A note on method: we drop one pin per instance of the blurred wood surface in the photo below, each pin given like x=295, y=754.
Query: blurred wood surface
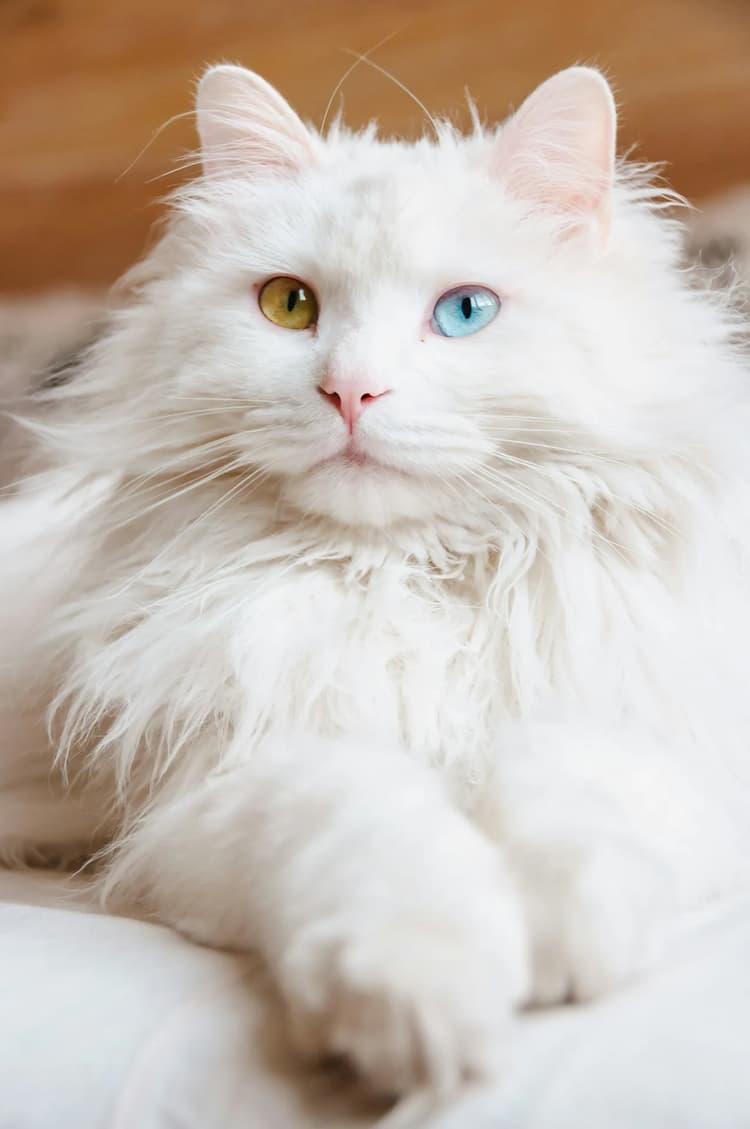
x=85, y=83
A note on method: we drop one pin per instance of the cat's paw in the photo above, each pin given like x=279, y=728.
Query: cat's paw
x=412, y=1002
x=596, y=919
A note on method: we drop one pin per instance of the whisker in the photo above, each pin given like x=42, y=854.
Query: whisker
x=208, y=398
x=562, y=514
x=198, y=413
x=475, y=472
x=663, y=522
x=352, y=68
x=543, y=506
x=572, y=452
x=190, y=456
x=157, y=133
x=256, y=474
x=25, y=480
x=221, y=471
x=397, y=82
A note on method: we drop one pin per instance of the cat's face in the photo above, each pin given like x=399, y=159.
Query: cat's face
x=393, y=330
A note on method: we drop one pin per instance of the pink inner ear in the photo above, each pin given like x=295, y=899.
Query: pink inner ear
x=245, y=125
x=558, y=151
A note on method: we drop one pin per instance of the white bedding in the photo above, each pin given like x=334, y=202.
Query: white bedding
x=108, y=1023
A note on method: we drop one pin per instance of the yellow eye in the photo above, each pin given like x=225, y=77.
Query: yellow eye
x=289, y=302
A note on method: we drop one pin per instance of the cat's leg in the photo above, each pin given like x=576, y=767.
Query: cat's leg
x=608, y=836
x=387, y=919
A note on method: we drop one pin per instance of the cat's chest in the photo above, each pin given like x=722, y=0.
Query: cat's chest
x=383, y=654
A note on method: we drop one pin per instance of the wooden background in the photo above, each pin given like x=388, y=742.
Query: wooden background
x=85, y=83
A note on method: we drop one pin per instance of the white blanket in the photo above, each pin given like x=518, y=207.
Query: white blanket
x=108, y=1023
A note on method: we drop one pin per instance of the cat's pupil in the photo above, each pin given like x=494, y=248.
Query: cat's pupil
x=291, y=301
x=466, y=307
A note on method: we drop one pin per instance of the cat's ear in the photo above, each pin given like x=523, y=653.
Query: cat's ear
x=245, y=125
x=558, y=150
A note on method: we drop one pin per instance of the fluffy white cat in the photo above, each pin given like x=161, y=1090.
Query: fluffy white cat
x=394, y=614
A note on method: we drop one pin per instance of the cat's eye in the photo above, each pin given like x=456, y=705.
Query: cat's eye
x=288, y=302
x=464, y=310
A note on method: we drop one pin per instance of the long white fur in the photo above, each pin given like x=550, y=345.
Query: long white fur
x=443, y=734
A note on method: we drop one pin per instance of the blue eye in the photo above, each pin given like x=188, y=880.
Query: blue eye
x=464, y=310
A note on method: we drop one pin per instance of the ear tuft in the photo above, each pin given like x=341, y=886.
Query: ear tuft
x=246, y=127
x=558, y=150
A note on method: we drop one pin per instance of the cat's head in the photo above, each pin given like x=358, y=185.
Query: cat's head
x=397, y=331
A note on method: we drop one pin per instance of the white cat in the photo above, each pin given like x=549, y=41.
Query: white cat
x=396, y=610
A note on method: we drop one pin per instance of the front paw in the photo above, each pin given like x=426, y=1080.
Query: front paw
x=596, y=917
x=412, y=1001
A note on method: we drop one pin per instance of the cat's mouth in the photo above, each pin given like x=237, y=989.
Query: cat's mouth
x=353, y=456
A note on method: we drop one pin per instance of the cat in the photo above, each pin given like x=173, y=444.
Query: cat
x=389, y=618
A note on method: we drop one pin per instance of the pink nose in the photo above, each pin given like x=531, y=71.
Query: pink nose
x=350, y=396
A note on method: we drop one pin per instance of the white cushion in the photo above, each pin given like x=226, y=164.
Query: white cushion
x=109, y=1022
